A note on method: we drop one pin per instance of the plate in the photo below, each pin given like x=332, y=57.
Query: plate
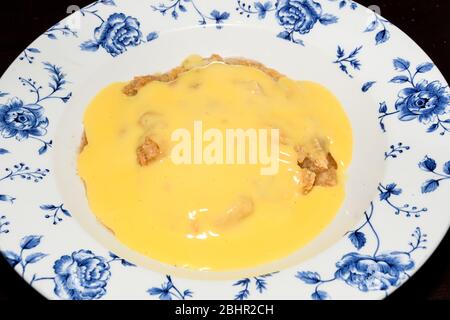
x=394, y=215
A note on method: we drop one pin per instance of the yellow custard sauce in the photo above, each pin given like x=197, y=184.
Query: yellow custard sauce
x=179, y=213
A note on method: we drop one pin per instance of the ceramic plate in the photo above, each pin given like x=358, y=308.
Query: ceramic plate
x=395, y=212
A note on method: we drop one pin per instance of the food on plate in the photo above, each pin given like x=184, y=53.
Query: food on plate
x=184, y=202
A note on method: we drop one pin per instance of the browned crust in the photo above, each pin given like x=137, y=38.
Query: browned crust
x=106, y=227
x=147, y=152
x=84, y=142
x=133, y=87
x=318, y=167
x=307, y=178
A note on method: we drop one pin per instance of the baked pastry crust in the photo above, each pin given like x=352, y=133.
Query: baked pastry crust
x=317, y=165
x=133, y=87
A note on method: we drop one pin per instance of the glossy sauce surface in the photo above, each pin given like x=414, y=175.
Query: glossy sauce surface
x=179, y=214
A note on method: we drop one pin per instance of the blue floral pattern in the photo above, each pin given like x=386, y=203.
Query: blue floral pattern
x=28, y=54
x=81, y=275
x=379, y=25
x=396, y=150
x=260, y=285
x=424, y=101
x=429, y=165
x=168, y=291
x=345, y=4
x=54, y=212
x=298, y=17
x=24, y=121
x=64, y=30
x=115, y=34
x=21, y=171
x=346, y=61
x=392, y=190
x=367, y=86
x=178, y=6
x=420, y=96
x=4, y=223
x=368, y=272
x=258, y=8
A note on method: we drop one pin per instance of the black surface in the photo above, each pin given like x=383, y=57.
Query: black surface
x=427, y=22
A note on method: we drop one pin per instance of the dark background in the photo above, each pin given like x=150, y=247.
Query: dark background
x=427, y=22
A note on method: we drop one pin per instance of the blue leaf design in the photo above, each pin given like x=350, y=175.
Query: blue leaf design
x=327, y=19
x=35, y=257
x=384, y=196
x=3, y=151
x=354, y=52
x=174, y=14
x=392, y=188
x=383, y=108
x=433, y=128
x=114, y=256
x=401, y=64
x=242, y=282
x=284, y=35
x=260, y=284
x=428, y=164
x=372, y=26
x=446, y=168
x=108, y=2
x=399, y=79
x=340, y=52
x=51, y=36
x=155, y=291
x=89, y=45
x=382, y=36
x=188, y=293
x=152, y=36
x=30, y=242
x=3, y=94
x=367, y=86
x=242, y=295
x=125, y=263
x=358, y=239
x=308, y=277
x=424, y=67
x=48, y=207
x=430, y=186
x=6, y=198
x=12, y=258
x=182, y=8
x=319, y=295
x=342, y=4
x=65, y=212
x=34, y=50
x=43, y=149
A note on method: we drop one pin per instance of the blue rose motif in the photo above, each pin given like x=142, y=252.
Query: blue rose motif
x=298, y=15
x=81, y=276
x=371, y=273
x=424, y=101
x=115, y=35
x=21, y=121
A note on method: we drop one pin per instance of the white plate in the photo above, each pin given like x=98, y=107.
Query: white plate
x=394, y=215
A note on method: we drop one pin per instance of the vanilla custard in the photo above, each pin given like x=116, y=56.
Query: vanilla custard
x=213, y=216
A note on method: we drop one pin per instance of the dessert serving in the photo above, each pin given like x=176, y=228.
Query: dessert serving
x=215, y=211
